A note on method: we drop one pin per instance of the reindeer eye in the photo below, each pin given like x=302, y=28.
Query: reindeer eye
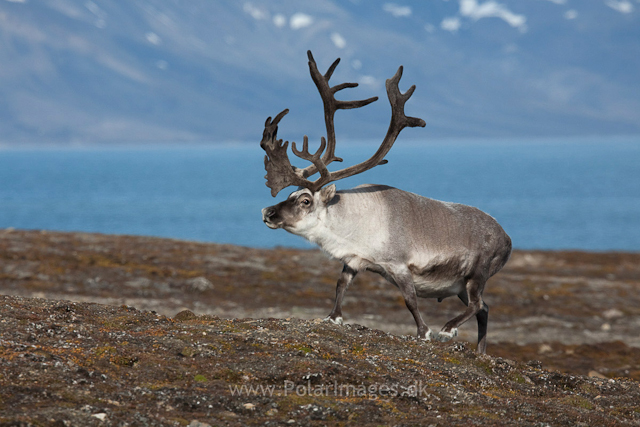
x=306, y=202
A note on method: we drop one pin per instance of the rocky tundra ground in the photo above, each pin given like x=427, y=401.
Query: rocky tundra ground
x=123, y=330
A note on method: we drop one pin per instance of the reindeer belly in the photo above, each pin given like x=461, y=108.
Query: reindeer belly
x=438, y=288
x=440, y=276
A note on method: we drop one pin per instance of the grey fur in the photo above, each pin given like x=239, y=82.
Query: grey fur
x=427, y=248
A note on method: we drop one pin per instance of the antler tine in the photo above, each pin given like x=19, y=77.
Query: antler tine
x=331, y=69
x=398, y=99
x=331, y=105
x=271, y=129
x=313, y=158
x=327, y=92
x=304, y=154
x=279, y=117
x=398, y=122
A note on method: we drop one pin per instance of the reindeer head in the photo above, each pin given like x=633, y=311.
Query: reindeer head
x=302, y=210
x=281, y=174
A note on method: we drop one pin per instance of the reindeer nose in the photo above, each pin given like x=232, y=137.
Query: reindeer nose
x=268, y=213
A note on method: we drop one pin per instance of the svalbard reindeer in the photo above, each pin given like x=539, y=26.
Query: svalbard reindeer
x=425, y=247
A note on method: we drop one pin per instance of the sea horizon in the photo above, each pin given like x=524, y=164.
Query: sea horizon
x=563, y=193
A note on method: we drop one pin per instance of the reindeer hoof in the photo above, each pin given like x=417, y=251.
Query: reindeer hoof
x=428, y=336
x=337, y=320
x=446, y=336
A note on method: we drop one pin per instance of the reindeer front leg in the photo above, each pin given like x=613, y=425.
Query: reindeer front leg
x=401, y=277
x=346, y=277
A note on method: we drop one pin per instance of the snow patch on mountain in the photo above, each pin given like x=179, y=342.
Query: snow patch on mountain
x=451, y=24
x=622, y=6
x=338, y=40
x=491, y=9
x=397, y=10
x=300, y=20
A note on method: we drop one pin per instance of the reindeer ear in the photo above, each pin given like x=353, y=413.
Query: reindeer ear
x=327, y=193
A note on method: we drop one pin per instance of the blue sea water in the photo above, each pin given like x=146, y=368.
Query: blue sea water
x=547, y=194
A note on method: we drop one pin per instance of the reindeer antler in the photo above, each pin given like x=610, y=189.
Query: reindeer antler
x=331, y=105
x=280, y=172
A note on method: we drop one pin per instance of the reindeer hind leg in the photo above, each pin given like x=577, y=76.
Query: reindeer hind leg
x=472, y=297
x=483, y=318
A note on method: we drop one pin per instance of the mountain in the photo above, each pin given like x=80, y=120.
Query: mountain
x=83, y=71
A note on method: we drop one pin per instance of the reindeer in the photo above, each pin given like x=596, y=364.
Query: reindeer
x=426, y=248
